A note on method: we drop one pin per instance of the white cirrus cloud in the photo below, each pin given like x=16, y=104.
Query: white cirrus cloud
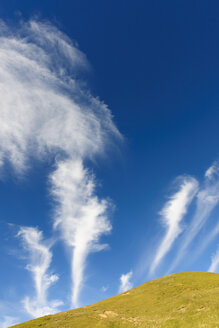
x=212, y=171
x=44, y=108
x=172, y=214
x=8, y=321
x=40, y=257
x=210, y=236
x=104, y=289
x=125, y=282
x=214, y=266
x=206, y=201
x=46, y=112
x=80, y=215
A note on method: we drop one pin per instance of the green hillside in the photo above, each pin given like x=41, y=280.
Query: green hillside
x=189, y=299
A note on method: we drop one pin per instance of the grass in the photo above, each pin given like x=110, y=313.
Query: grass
x=187, y=300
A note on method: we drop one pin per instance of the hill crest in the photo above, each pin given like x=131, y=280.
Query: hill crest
x=188, y=299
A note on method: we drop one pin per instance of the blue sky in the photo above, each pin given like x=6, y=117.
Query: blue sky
x=109, y=148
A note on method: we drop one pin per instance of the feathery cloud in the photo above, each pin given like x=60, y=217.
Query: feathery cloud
x=214, y=267
x=125, y=282
x=47, y=113
x=80, y=215
x=207, y=200
x=104, y=288
x=44, y=109
x=7, y=321
x=208, y=239
x=40, y=258
x=172, y=214
x=212, y=171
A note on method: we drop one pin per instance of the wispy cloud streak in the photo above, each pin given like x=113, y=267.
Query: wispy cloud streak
x=44, y=109
x=207, y=240
x=7, y=321
x=125, y=282
x=207, y=200
x=80, y=215
x=40, y=258
x=47, y=113
x=172, y=215
x=214, y=267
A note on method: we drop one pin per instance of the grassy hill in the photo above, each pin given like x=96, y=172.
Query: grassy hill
x=187, y=300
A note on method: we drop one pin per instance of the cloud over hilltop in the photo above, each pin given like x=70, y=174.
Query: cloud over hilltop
x=125, y=282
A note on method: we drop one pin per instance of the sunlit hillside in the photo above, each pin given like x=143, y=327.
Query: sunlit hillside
x=189, y=299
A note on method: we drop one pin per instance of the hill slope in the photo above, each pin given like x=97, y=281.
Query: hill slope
x=189, y=299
